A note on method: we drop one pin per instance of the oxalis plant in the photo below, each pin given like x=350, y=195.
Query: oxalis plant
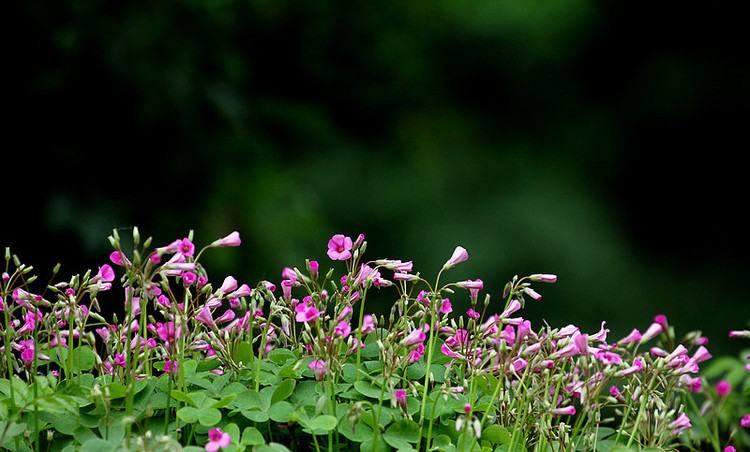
x=196, y=364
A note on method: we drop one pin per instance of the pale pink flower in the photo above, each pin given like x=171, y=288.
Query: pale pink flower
x=217, y=440
x=739, y=333
x=513, y=306
x=653, y=330
x=233, y=239
x=459, y=255
x=229, y=285
x=636, y=367
x=339, y=247
x=532, y=293
x=634, y=336
x=543, y=277
x=105, y=274
x=243, y=291
x=318, y=366
x=205, y=316
x=518, y=365
x=471, y=285
x=368, y=324
x=228, y=316
x=415, y=337
x=681, y=423
x=171, y=248
x=701, y=354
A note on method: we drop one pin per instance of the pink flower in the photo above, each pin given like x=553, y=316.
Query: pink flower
x=653, y=330
x=186, y=247
x=233, y=239
x=313, y=266
x=566, y=410
x=188, y=278
x=473, y=314
x=636, y=367
x=217, y=439
x=400, y=396
x=701, y=354
x=205, y=316
x=608, y=357
x=459, y=255
x=681, y=423
x=319, y=366
x=543, y=277
x=471, y=285
x=532, y=293
x=368, y=324
x=105, y=274
x=513, y=306
x=342, y=329
x=118, y=258
x=306, y=312
x=446, y=307
x=634, y=336
x=413, y=338
x=739, y=333
x=229, y=285
x=723, y=388
x=170, y=366
x=339, y=247
x=729, y=449
x=745, y=421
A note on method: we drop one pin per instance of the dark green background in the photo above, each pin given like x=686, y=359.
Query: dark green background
x=601, y=141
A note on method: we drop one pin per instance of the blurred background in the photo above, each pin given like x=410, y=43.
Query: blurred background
x=595, y=140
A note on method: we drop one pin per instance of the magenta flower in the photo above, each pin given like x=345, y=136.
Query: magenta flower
x=186, y=247
x=340, y=247
x=566, y=410
x=105, y=274
x=170, y=366
x=729, y=449
x=723, y=388
x=745, y=421
x=188, y=278
x=217, y=439
x=400, y=395
x=701, y=354
x=306, y=312
x=117, y=258
x=459, y=255
x=446, y=307
x=313, y=266
x=342, y=329
x=513, y=306
x=232, y=239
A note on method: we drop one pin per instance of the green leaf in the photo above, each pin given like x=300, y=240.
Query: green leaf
x=370, y=390
x=401, y=433
x=496, y=434
x=251, y=436
x=281, y=411
x=247, y=400
x=255, y=415
x=283, y=390
x=188, y=414
x=182, y=397
x=323, y=423
x=224, y=401
x=207, y=364
x=281, y=356
x=209, y=416
x=98, y=445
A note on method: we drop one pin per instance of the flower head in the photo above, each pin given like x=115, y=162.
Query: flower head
x=459, y=255
x=232, y=239
x=340, y=247
x=723, y=388
x=217, y=439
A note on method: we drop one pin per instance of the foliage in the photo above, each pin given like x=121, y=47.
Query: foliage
x=303, y=366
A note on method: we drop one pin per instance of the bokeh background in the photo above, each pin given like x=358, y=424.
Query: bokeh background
x=600, y=141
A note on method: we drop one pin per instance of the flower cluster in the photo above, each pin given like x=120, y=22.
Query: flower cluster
x=442, y=369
